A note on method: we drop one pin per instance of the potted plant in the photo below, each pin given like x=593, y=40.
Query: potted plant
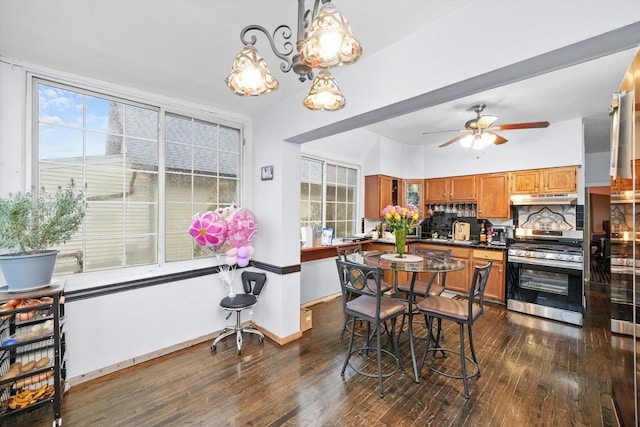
x=30, y=224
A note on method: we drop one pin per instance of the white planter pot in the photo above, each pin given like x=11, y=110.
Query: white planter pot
x=23, y=271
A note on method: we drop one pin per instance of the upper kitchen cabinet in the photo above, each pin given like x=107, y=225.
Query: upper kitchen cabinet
x=493, y=196
x=414, y=194
x=380, y=191
x=450, y=189
x=627, y=184
x=544, y=181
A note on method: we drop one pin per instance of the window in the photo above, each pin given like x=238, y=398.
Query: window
x=137, y=164
x=328, y=196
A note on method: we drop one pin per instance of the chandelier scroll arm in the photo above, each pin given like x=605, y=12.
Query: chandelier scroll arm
x=283, y=31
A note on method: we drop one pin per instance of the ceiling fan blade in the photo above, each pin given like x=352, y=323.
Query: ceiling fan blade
x=452, y=140
x=485, y=121
x=530, y=125
x=499, y=139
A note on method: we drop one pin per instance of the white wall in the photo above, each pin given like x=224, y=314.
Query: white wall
x=12, y=95
x=318, y=279
x=597, y=169
x=561, y=144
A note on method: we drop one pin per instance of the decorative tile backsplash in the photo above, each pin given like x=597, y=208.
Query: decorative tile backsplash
x=550, y=217
x=622, y=218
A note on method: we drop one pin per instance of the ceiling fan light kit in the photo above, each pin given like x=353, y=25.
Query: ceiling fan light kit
x=328, y=42
x=479, y=132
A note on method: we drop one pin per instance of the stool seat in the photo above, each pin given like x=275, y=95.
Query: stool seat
x=238, y=301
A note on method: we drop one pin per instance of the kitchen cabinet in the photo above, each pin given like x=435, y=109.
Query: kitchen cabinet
x=457, y=281
x=380, y=191
x=414, y=194
x=388, y=275
x=560, y=180
x=627, y=184
x=451, y=189
x=32, y=353
x=493, y=196
x=495, y=289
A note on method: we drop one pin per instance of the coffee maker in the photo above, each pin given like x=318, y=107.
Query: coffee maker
x=499, y=235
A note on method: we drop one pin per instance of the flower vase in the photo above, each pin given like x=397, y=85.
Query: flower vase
x=401, y=242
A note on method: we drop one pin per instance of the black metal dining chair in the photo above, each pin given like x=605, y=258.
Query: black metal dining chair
x=343, y=252
x=367, y=302
x=463, y=312
x=422, y=287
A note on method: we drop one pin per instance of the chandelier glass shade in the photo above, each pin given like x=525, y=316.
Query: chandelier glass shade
x=327, y=43
x=324, y=94
x=250, y=75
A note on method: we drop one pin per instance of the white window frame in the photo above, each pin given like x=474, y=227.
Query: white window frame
x=359, y=196
x=115, y=275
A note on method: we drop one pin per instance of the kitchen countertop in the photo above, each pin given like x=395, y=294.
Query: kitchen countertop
x=446, y=242
x=321, y=252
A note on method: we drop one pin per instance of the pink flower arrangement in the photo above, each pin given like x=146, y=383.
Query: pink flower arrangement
x=401, y=218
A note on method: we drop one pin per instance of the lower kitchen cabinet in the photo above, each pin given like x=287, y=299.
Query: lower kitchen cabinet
x=495, y=290
x=460, y=280
x=32, y=352
x=388, y=275
x=457, y=281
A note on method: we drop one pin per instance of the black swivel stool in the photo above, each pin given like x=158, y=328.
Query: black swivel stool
x=252, y=282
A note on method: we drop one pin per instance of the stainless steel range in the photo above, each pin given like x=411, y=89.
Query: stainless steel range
x=625, y=264
x=545, y=274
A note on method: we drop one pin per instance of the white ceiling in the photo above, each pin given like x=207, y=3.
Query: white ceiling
x=184, y=49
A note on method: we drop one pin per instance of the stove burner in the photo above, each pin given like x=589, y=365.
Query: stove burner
x=561, y=254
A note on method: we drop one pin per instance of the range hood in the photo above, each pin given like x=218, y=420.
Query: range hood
x=544, y=199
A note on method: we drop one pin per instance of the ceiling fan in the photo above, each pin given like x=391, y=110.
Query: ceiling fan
x=479, y=132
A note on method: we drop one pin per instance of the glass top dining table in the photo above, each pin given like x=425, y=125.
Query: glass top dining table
x=411, y=264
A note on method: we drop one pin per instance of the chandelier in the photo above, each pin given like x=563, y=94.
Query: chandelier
x=324, y=42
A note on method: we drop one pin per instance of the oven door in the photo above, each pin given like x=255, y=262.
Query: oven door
x=546, y=291
x=623, y=309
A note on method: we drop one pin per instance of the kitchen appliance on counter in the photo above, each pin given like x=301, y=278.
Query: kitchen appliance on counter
x=461, y=230
x=544, y=274
x=499, y=236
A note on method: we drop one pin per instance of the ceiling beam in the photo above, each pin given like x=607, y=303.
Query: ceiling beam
x=605, y=44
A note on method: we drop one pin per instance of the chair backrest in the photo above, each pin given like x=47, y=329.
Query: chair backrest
x=444, y=254
x=253, y=282
x=343, y=251
x=359, y=279
x=478, y=284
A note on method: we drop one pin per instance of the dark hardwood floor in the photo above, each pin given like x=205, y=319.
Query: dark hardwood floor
x=534, y=373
